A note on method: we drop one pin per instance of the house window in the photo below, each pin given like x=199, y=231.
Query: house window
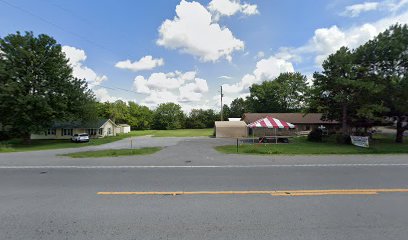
x=101, y=131
x=50, y=132
x=67, y=132
x=109, y=131
x=92, y=131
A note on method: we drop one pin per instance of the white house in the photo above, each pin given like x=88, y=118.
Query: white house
x=65, y=130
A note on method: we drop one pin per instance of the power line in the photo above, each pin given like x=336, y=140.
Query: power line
x=57, y=26
x=113, y=88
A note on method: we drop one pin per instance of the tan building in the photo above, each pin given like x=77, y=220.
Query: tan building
x=97, y=129
x=233, y=129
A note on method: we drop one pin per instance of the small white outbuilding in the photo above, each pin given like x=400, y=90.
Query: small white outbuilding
x=124, y=128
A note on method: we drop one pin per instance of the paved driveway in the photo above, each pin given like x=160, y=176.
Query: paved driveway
x=193, y=151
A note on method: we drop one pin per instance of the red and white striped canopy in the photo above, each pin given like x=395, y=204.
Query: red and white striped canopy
x=270, y=122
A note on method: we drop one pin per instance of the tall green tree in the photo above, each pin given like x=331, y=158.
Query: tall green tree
x=37, y=86
x=286, y=93
x=226, y=112
x=342, y=92
x=139, y=117
x=385, y=60
x=200, y=118
x=168, y=116
x=238, y=108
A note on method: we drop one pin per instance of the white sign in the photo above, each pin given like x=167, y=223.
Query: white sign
x=360, y=141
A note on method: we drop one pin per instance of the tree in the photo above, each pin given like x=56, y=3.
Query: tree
x=200, y=118
x=385, y=59
x=238, y=108
x=168, y=116
x=342, y=92
x=226, y=112
x=139, y=117
x=286, y=93
x=37, y=86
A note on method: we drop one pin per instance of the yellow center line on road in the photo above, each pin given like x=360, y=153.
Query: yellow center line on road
x=315, y=192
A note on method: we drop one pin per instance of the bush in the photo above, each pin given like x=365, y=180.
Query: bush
x=343, y=139
x=316, y=135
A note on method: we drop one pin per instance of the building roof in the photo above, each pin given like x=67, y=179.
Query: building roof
x=230, y=124
x=270, y=122
x=295, y=118
x=77, y=124
x=123, y=125
x=234, y=119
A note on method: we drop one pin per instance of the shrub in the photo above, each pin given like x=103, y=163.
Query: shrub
x=343, y=139
x=316, y=135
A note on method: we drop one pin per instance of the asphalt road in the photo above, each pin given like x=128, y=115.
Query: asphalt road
x=57, y=198
x=61, y=203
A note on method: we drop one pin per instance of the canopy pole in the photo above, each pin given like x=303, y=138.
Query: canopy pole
x=276, y=137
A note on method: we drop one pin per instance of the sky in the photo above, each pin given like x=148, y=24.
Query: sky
x=183, y=51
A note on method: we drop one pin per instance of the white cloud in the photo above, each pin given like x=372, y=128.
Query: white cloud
x=228, y=8
x=266, y=69
x=395, y=5
x=145, y=63
x=162, y=81
x=356, y=9
x=225, y=77
x=178, y=87
x=193, y=92
x=76, y=59
x=192, y=32
x=102, y=95
x=260, y=55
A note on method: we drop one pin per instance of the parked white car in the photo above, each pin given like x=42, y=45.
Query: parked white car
x=82, y=137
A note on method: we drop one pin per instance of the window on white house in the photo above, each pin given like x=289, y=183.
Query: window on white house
x=92, y=131
x=101, y=131
x=50, y=132
x=109, y=131
x=67, y=132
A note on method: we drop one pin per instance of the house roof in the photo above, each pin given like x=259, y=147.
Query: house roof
x=77, y=124
x=230, y=124
x=295, y=118
x=123, y=125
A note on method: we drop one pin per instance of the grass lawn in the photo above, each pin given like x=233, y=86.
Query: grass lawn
x=380, y=145
x=207, y=132
x=113, y=153
x=16, y=145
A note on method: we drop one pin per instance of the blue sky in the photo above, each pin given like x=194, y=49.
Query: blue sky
x=183, y=51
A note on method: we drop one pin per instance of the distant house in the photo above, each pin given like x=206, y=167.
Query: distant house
x=303, y=122
x=65, y=130
x=123, y=128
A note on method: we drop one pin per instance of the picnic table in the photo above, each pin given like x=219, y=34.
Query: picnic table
x=274, y=139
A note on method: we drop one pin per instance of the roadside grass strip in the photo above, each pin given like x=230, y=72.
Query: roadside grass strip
x=113, y=153
x=279, y=193
x=17, y=145
x=300, y=146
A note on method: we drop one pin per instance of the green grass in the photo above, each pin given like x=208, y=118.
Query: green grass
x=113, y=153
x=380, y=145
x=16, y=145
x=207, y=132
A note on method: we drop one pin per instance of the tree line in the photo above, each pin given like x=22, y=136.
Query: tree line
x=166, y=116
x=356, y=87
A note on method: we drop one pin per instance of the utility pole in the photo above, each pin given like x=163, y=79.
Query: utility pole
x=221, y=105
